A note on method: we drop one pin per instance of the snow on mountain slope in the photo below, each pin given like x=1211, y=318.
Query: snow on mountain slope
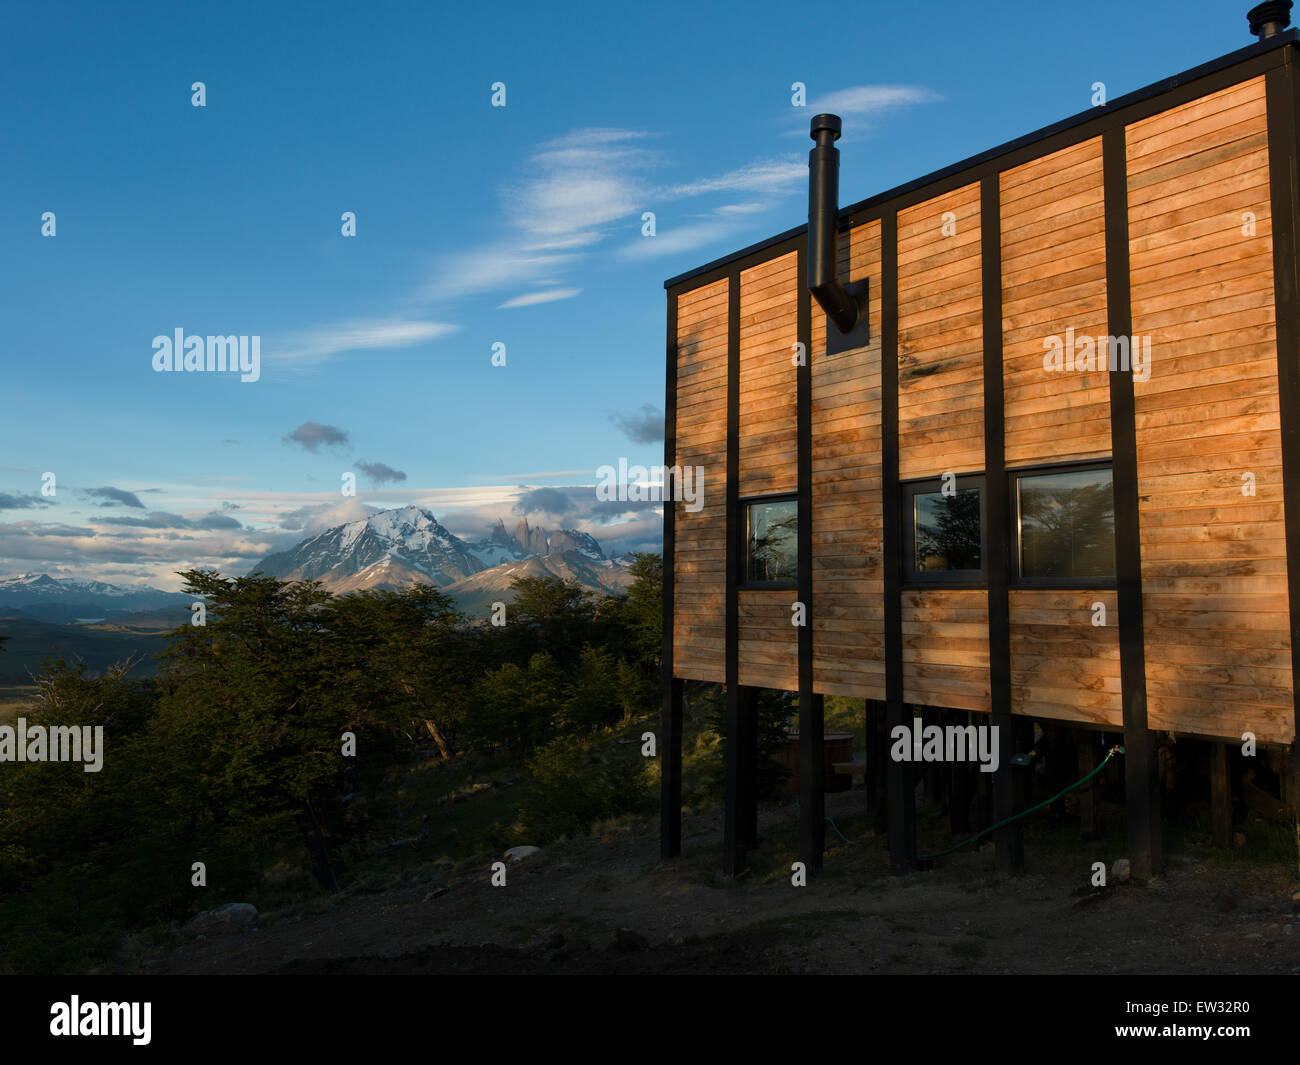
x=396, y=549
x=31, y=589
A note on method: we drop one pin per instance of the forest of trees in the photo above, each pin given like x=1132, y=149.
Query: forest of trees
x=234, y=754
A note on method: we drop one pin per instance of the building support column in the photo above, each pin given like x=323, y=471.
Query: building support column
x=674, y=690
x=1141, y=789
x=901, y=783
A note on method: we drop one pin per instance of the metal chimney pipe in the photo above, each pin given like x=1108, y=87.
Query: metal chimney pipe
x=823, y=226
x=1269, y=19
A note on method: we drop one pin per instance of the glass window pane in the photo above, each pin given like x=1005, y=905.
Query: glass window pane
x=773, y=541
x=1067, y=524
x=946, y=530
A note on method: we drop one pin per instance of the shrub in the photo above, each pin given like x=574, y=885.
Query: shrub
x=576, y=781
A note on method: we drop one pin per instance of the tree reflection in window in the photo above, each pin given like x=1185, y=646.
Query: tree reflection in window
x=772, y=553
x=1067, y=524
x=947, y=530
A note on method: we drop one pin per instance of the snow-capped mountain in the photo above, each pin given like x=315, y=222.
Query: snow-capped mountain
x=395, y=549
x=69, y=598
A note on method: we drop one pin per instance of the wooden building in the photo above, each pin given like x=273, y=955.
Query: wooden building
x=1072, y=393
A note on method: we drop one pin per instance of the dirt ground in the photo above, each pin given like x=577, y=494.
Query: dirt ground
x=562, y=910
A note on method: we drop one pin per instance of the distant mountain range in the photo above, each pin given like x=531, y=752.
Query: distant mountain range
x=396, y=549
x=391, y=550
x=64, y=599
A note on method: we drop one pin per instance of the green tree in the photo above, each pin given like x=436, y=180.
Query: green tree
x=575, y=781
x=552, y=616
x=405, y=656
x=515, y=708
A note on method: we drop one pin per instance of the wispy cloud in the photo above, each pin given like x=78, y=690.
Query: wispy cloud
x=771, y=177
x=592, y=185
x=860, y=104
x=546, y=295
x=862, y=100
x=361, y=335
x=677, y=239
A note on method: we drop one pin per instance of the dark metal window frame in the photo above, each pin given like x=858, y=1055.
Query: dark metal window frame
x=1013, y=504
x=952, y=578
x=744, y=503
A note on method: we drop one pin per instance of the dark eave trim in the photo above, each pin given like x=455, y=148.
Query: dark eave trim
x=757, y=253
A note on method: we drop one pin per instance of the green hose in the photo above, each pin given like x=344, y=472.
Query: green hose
x=1007, y=820
x=1025, y=813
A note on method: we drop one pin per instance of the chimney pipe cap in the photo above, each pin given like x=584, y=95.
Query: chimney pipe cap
x=1269, y=19
x=830, y=122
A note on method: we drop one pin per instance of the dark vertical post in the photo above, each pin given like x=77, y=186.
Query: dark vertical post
x=1141, y=794
x=734, y=830
x=901, y=794
x=1085, y=748
x=1282, y=95
x=874, y=766
x=959, y=802
x=1010, y=846
x=812, y=798
x=749, y=763
x=1220, y=795
x=670, y=740
x=670, y=770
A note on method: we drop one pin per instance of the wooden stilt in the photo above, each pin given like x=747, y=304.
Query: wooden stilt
x=902, y=794
x=812, y=762
x=983, y=801
x=1294, y=787
x=670, y=770
x=1085, y=744
x=1008, y=799
x=733, y=832
x=1220, y=795
x=1142, y=804
x=878, y=767
x=749, y=764
x=959, y=798
x=870, y=779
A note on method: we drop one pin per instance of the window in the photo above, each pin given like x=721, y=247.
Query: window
x=944, y=530
x=1065, y=526
x=772, y=542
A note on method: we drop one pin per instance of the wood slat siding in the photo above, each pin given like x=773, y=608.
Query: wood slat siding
x=941, y=429
x=768, y=644
x=1214, y=599
x=1053, y=279
x=1214, y=567
x=940, y=338
x=1063, y=666
x=848, y=575
x=768, y=453
x=946, y=647
x=699, y=563
x=768, y=331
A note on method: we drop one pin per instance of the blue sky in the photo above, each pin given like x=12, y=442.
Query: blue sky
x=475, y=225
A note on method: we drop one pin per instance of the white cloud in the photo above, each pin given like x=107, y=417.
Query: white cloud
x=672, y=240
x=772, y=177
x=362, y=335
x=530, y=299
x=492, y=268
x=871, y=99
x=585, y=187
